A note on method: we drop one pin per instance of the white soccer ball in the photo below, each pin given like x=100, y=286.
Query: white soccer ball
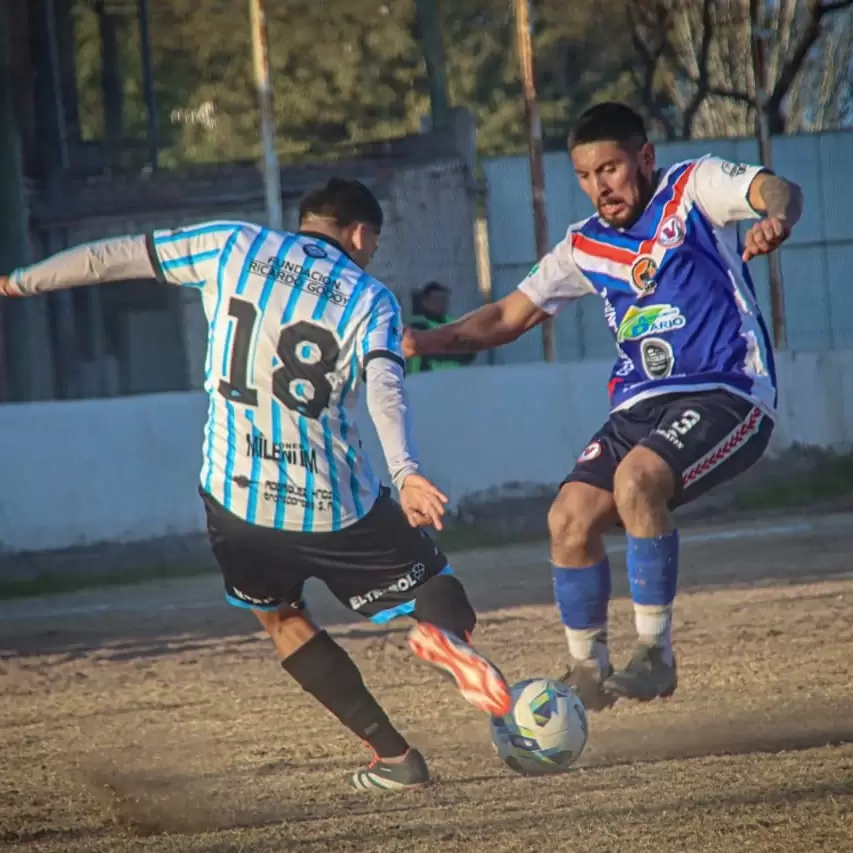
x=546, y=730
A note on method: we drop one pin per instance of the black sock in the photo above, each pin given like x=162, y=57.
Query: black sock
x=443, y=602
x=323, y=669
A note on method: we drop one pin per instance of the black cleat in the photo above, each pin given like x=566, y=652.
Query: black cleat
x=392, y=774
x=588, y=680
x=647, y=676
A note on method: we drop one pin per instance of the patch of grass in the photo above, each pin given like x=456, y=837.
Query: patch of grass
x=456, y=538
x=469, y=537
x=55, y=583
x=830, y=479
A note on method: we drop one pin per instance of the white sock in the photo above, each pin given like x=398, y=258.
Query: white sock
x=589, y=644
x=654, y=627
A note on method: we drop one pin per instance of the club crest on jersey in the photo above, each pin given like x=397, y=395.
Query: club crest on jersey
x=314, y=251
x=591, y=451
x=671, y=232
x=653, y=320
x=643, y=275
x=657, y=358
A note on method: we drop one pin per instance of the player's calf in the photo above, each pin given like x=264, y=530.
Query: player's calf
x=441, y=638
x=323, y=669
x=582, y=585
x=644, y=486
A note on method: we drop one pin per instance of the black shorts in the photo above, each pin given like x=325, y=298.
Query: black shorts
x=373, y=567
x=706, y=439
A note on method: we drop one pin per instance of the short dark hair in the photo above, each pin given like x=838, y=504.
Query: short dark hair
x=609, y=122
x=345, y=202
x=434, y=287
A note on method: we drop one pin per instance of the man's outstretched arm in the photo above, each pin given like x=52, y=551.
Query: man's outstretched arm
x=184, y=257
x=118, y=259
x=550, y=286
x=485, y=328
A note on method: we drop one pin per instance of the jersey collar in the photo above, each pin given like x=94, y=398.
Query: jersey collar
x=330, y=241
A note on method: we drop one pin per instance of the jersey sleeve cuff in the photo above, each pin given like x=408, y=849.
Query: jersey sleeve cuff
x=156, y=265
x=382, y=353
x=399, y=477
x=16, y=283
x=549, y=306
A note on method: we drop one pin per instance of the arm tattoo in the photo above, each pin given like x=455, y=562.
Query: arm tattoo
x=781, y=198
x=460, y=343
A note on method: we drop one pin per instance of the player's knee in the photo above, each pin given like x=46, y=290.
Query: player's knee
x=642, y=480
x=443, y=602
x=578, y=514
x=288, y=627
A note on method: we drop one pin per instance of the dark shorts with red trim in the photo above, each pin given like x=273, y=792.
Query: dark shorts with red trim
x=706, y=438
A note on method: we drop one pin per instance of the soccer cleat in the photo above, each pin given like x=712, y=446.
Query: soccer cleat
x=587, y=679
x=647, y=676
x=392, y=774
x=481, y=683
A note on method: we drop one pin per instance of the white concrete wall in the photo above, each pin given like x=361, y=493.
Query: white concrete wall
x=126, y=469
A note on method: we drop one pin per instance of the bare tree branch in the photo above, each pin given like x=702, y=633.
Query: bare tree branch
x=650, y=59
x=693, y=64
x=740, y=95
x=791, y=68
x=703, y=82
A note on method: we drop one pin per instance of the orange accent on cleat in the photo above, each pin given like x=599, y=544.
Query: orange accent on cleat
x=481, y=683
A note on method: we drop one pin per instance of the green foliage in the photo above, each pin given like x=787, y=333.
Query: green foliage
x=345, y=71
x=828, y=478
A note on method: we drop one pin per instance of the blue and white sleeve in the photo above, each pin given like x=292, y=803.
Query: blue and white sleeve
x=382, y=335
x=190, y=256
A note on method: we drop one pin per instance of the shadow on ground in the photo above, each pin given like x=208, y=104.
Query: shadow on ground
x=146, y=803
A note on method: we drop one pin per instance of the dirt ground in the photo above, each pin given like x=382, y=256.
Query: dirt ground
x=155, y=718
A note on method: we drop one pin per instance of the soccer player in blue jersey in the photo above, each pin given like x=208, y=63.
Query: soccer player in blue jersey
x=296, y=326
x=693, y=389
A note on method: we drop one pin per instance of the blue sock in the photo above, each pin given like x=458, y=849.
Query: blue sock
x=582, y=597
x=653, y=577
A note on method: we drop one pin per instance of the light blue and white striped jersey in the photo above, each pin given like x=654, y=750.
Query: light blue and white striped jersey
x=293, y=321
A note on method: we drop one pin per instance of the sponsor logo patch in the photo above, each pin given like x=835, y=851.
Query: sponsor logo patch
x=653, y=320
x=656, y=355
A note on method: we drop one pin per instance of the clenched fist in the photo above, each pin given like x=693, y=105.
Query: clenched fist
x=8, y=287
x=765, y=236
x=409, y=343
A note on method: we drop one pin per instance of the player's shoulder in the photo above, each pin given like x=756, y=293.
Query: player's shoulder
x=678, y=173
x=374, y=294
x=693, y=166
x=589, y=226
x=204, y=228
x=580, y=226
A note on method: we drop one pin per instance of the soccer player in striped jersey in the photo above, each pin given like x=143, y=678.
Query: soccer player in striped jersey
x=693, y=389
x=296, y=326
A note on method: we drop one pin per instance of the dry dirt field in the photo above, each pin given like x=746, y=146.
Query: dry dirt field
x=155, y=718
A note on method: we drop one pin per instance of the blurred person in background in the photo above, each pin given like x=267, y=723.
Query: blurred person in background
x=431, y=308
